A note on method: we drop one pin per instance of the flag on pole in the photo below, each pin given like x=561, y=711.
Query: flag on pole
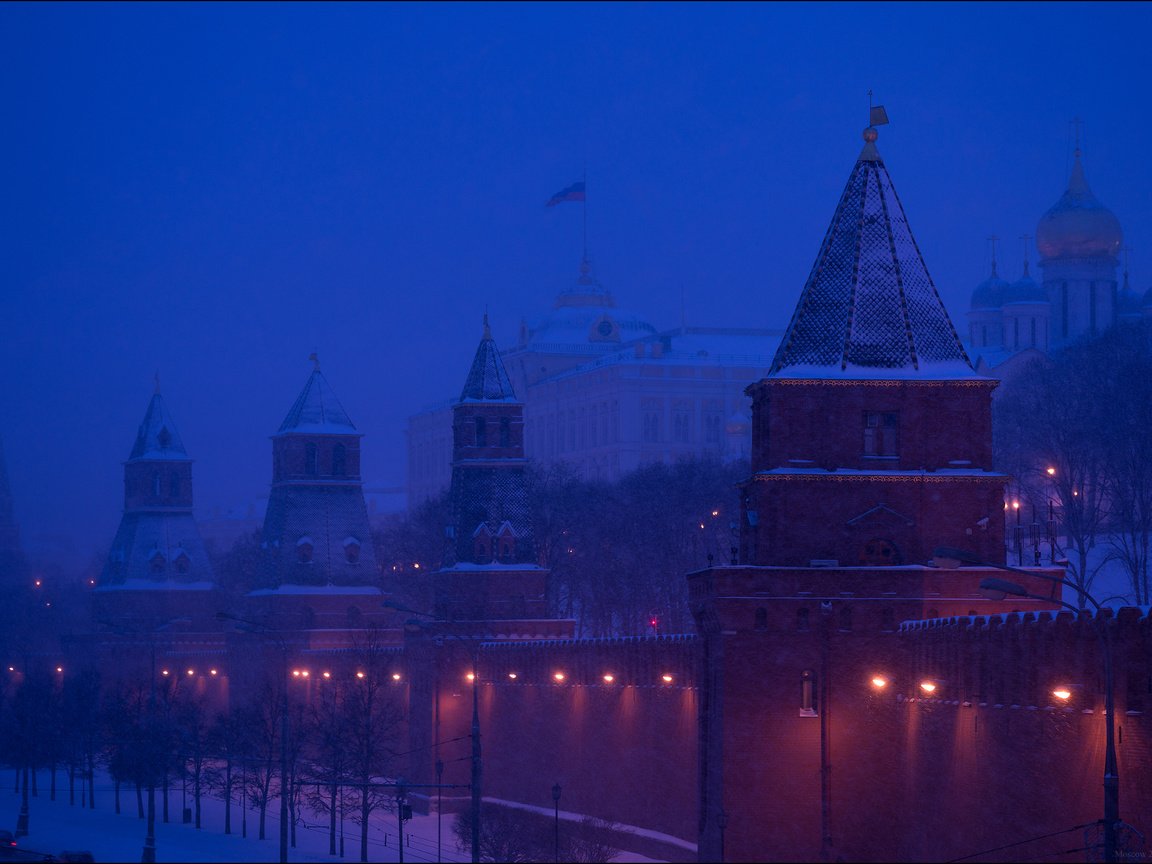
x=575, y=192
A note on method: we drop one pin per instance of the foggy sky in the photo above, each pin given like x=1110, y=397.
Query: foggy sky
x=212, y=192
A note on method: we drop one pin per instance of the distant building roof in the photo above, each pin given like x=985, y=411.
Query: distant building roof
x=869, y=308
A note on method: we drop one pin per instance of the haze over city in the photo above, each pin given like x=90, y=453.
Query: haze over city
x=210, y=193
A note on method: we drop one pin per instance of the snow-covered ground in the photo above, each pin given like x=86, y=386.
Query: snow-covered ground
x=54, y=826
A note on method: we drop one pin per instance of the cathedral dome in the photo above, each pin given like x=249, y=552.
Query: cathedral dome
x=1078, y=225
x=990, y=294
x=587, y=312
x=1025, y=290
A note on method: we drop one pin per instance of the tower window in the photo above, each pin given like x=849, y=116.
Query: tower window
x=808, y=694
x=304, y=550
x=339, y=460
x=310, y=467
x=880, y=433
x=156, y=562
x=351, y=550
x=481, y=432
x=505, y=432
x=174, y=485
x=156, y=484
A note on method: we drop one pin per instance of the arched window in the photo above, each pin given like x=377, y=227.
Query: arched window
x=182, y=563
x=761, y=618
x=352, y=550
x=156, y=562
x=339, y=459
x=304, y=550
x=310, y=467
x=481, y=432
x=505, y=432
x=808, y=693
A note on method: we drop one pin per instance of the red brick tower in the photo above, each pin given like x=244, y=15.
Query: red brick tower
x=871, y=445
x=490, y=570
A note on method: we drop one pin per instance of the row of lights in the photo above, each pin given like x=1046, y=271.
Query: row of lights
x=189, y=672
x=560, y=677
x=929, y=687
x=13, y=669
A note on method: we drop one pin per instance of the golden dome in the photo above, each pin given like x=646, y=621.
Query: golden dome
x=1078, y=225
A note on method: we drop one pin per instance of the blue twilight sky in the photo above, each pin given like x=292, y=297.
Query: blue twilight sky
x=216, y=190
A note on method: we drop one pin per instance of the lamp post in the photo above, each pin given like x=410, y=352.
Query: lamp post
x=998, y=589
x=556, y=803
x=254, y=627
x=473, y=644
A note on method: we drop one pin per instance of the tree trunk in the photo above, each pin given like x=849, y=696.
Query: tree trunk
x=71, y=784
x=116, y=786
x=165, y=795
x=196, y=794
x=52, y=783
x=332, y=820
x=139, y=800
x=364, y=813
x=228, y=796
x=92, y=780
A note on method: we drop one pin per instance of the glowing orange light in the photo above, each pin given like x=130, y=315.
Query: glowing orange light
x=715, y=512
x=191, y=672
x=608, y=679
x=37, y=583
x=11, y=668
x=1062, y=693
x=211, y=671
x=91, y=581
x=701, y=526
x=359, y=674
x=512, y=675
x=304, y=674
x=415, y=565
x=1015, y=505
x=879, y=682
x=927, y=686
x=327, y=674
x=558, y=676
x=1051, y=472
x=395, y=676
x=163, y=671
x=667, y=679
x=471, y=676
x=59, y=668
x=295, y=673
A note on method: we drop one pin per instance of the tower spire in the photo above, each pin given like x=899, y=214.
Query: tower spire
x=1026, y=238
x=992, y=241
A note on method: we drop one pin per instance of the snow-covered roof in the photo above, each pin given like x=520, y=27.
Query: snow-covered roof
x=317, y=410
x=157, y=437
x=487, y=380
x=334, y=590
x=157, y=585
x=869, y=302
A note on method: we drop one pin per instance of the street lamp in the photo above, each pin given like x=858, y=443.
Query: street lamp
x=556, y=802
x=998, y=589
x=473, y=644
x=254, y=627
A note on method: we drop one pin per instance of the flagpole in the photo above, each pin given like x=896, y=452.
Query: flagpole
x=585, y=212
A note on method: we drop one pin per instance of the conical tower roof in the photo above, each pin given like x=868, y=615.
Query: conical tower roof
x=317, y=410
x=487, y=380
x=869, y=308
x=157, y=437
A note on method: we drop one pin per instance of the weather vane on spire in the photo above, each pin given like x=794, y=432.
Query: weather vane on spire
x=1076, y=124
x=487, y=329
x=992, y=240
x=156, y=382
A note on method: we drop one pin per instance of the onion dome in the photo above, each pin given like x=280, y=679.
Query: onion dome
x=1025, y=290
x=991, y=293
x=1078, y=225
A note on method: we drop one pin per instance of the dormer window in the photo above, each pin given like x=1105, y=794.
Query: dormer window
x=181, y=563
x=156, y=562
x=304, y=550
x=351, y=550
x=164, y=438
x=482, y=544
x=880, y=433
